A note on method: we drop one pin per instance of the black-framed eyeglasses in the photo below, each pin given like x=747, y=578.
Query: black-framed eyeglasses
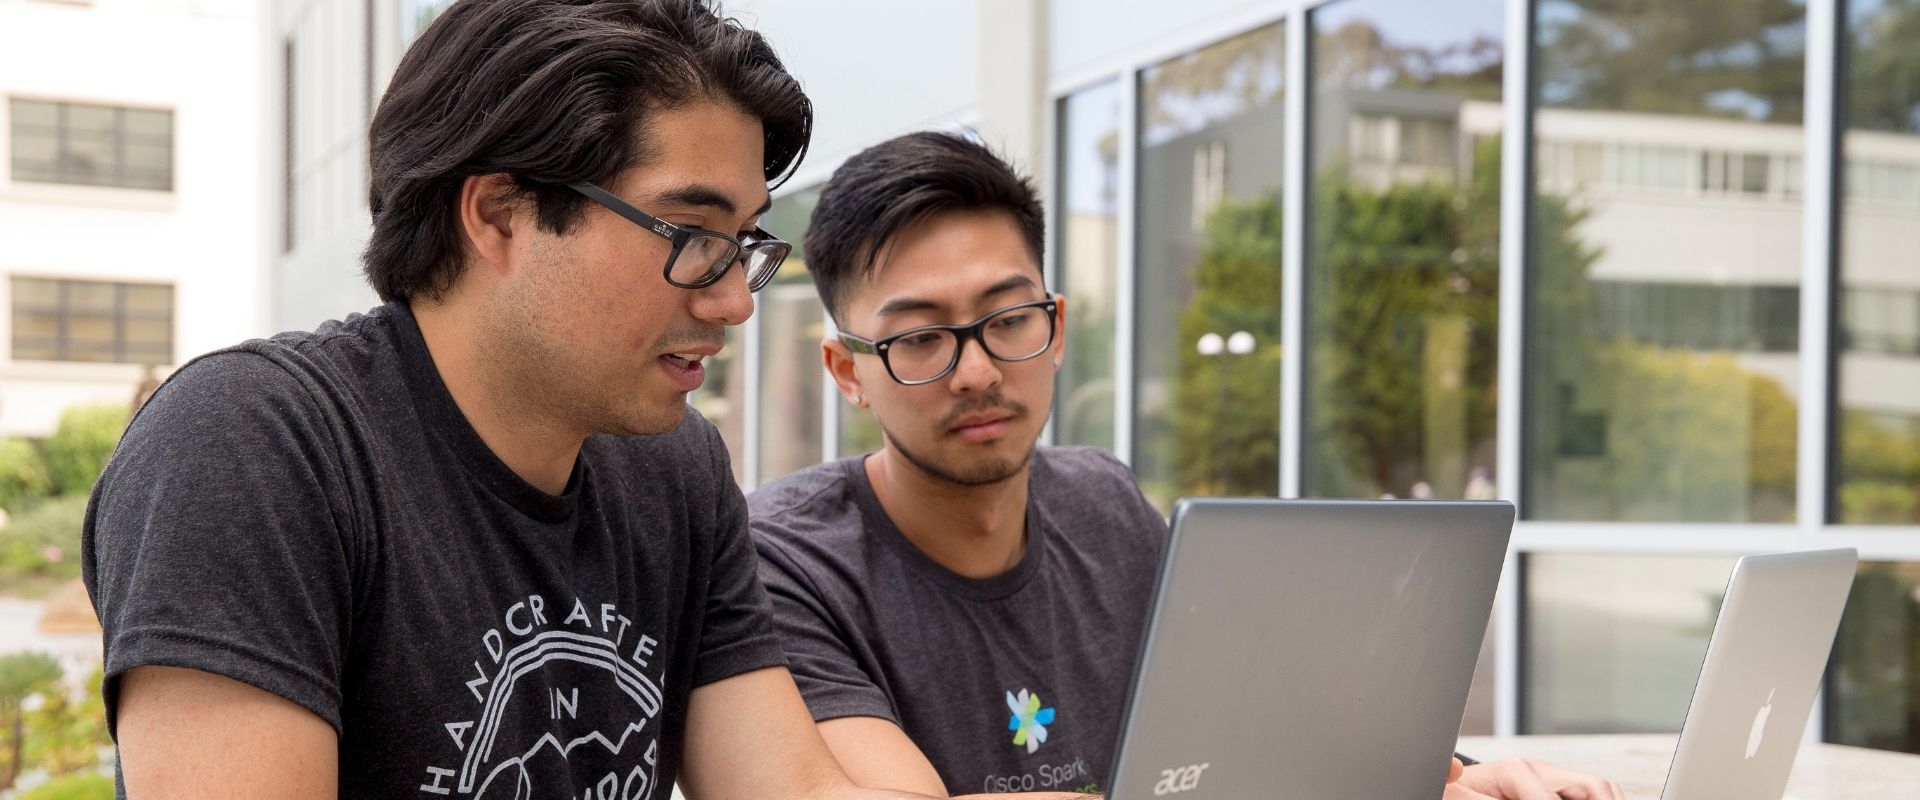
x=699, y=258
x=927, y=353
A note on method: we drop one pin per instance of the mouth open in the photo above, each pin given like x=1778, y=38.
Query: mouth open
x=684, y=369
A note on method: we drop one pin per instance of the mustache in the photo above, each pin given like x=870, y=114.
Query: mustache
x=692, y=336
x=988, y=402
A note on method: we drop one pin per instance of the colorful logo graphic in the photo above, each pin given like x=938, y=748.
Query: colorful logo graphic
x=1029, y=722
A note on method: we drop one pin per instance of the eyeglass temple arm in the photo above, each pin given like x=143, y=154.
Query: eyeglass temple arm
x=858, y=345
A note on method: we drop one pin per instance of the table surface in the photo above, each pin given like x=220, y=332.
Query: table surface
x=1639, y=764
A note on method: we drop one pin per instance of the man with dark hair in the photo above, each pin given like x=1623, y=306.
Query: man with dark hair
x=465, y=544
x=961, y=609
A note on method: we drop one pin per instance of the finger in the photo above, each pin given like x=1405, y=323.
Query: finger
x=1457, y=791
x=1522, y=784
x=1454, y=769
x=1575, y=785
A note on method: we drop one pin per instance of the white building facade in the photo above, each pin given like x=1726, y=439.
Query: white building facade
x=132, y=215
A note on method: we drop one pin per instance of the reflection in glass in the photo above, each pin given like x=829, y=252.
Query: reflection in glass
x=1663, y=315
x=1403, y=272
x=1873, y=684
x=792, y=323
x=859, y=431
x=1404, y=269
x=1613, y=644
x=722, y=399
x=1878, y=458
x=1088, y=262
x=1209, y=262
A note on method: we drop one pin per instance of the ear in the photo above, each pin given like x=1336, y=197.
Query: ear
x=487, y=219
x=839, y=362
x=1060, y=330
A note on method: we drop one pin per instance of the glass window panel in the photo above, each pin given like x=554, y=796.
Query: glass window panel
x=1403, y=268
x=35, y=293
x=1662, y=376
x=1878, y=465
x=792, y=323
x=92, y=328
x=150, y=298
x=1088, y=262
x=1210, y=425
x=68, y=320
x=722, y=398
x=91, y=121
x=37, y=327
x=1873, y=683
x=153, y=127
x=1613, y=644
x=92, y=145
x=35, y=158
x=1403, y=271
x=34, y=115
x=89, y=296
x=150, y=333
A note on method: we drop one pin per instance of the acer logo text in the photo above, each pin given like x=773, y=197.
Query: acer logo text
x=1179, y=779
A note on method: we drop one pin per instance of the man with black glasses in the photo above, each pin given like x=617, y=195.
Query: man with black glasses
x=961, y=609
x=465, y=544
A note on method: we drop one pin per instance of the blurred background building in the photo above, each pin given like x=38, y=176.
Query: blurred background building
x=1651, y=272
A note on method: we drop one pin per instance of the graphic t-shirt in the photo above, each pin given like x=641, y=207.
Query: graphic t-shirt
x=1009, y=683
x=313, y=515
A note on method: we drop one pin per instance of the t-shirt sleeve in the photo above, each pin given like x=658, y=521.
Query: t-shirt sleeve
x=736, y=635
x=819, y=651
x=215, y=538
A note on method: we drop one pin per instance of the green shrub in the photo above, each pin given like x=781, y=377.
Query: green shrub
x=79, y=448
x=42, y=546
x=23, y=476
x=71, y=787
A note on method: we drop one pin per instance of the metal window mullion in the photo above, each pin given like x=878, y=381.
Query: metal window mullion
x=1127, y=212
x=1820, y=249
x=1293, y=254
x=1515, y=172
x=1053, y=206
x=829, y=401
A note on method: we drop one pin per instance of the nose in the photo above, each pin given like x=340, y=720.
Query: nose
x=977, y=371
x=727, y=301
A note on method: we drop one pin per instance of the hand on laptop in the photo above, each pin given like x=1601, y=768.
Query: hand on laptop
x=1520, y=779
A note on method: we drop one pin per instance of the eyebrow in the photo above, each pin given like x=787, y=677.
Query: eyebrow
x=902, y=305
x=700, y=194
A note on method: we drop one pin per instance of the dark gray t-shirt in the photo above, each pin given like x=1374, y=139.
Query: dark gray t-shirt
x=1010, y=683
x=314, y=516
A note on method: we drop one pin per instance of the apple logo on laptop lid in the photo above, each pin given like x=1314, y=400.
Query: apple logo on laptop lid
x=1759, y=726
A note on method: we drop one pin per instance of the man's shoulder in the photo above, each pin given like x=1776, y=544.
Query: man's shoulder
x=812, y=514
x=806, y=493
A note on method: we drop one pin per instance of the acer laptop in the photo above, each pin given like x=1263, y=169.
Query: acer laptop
x=1762, y=669
x=1310, y=649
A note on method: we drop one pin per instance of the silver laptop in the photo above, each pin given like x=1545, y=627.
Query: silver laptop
x=1323, y=647
x=1763, y=666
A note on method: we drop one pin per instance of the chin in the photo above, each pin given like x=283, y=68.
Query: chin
x=651, y=419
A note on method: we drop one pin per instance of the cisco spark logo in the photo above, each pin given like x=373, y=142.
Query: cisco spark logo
x=1029, y=722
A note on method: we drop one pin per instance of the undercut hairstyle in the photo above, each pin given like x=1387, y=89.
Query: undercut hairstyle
x=893, y=185
x=550, y=92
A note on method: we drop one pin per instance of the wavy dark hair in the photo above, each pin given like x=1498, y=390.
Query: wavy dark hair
x=890, y=186
x=549, y=92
